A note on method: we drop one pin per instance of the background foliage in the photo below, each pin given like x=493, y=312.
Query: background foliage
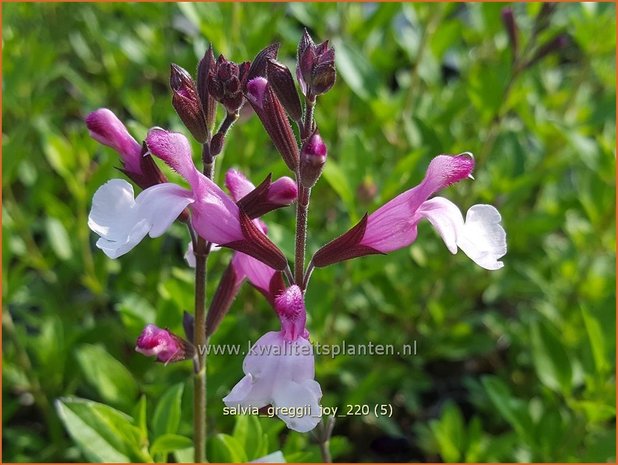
x=515, y=365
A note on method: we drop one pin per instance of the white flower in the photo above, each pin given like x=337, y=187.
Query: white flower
x=280, y=372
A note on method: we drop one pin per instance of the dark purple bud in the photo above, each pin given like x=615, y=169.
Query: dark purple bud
x=274, y=119
x=224, y=84
x=312, y=159
x=345, y=247
x=227, y=291
x=187, y=103
x=544, y=16
x=315, y=67
x=187, y=324
x=324, y=76
x=280, y=79
x=216, y=144
x=205, y=67
x=258, y=66
x=554, y=45
x=163, y=344
x=508, y=18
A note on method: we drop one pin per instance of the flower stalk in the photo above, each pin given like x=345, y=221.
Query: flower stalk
x=302, y=207
x=200, y=341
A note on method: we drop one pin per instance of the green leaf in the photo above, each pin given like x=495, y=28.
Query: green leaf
x=140, y=414
x=170, y=442
x=166, y=418
x=355, y=70
x=58, y=152
x=551, y=359
x=512, y=409
x=102, y=433
x=58, y=238
x=596, y=339
x=111, y=379
x=248, y=432
x=449, y=432
x=225, y=448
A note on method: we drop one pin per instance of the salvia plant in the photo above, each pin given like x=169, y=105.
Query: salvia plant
x=279, y=368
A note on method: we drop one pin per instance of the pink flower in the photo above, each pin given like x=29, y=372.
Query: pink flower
x=122, y=221
x=279, y=368
x=242, y=266
x=394, y=225
x=163, y=344
x=107, y=129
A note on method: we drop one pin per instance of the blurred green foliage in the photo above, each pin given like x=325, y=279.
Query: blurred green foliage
x=514, y=365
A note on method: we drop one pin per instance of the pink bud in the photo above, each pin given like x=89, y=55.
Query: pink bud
x=312, y=160
x=256, y=89
x=107, y=129
x=283, y=191
x=163, y=344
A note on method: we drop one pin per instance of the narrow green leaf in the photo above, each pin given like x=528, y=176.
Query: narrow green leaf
x=170, y=442
x=58, y=238
x=225, y=448
x=511, y=408
x=596, y=340
x=140, y=414
x=248, y=432
x=102, y=433
x=166, y=418
x=449, y=432
x=111, y=379
x=551, y=359
x=356, y=70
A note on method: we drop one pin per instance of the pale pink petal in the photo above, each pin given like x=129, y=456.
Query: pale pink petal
x=216, y=217
x=258, y=274
x=238, y=184
x=122, y=222
x=249, y=394
x=481, y=236
x=261, y=369
x=105, y=127
x=301, y=398
x=446, y=218
x=391, y=227
x=190, y=255
x=280, y=373
x=175, y=150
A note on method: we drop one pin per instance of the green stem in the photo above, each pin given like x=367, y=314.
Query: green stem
x=325, y=451
x=302, y=206
x=200, y=341
x=201, y=250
